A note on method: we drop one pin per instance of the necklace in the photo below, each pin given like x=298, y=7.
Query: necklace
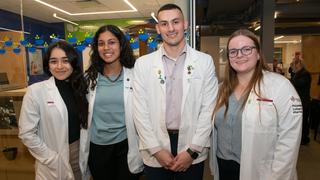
x=116, y=79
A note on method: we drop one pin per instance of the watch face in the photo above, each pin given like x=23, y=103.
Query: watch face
x=193, y=154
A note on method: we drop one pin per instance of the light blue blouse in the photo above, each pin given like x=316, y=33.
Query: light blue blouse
x=229, y=130
x=108, y=120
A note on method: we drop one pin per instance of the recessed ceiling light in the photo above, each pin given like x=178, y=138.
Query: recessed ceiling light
x=66, y=20
x=133, y=9
x=284, y=42
x=257, y=28
x=279, y=37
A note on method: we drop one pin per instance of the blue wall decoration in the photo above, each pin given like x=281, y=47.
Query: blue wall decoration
x=8, y=43
x=127, y=36
x=88, y=40
x=24, y=42
x=71, y=39
x=16, y=50
x=143, y=36
x=38, y=41
x=134, y=44
x=80, y=47
x=2, y=51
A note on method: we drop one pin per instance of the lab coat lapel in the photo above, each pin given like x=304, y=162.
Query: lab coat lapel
x=158, y=71
x=56, y=98
x=127, y=79
x=188, y=71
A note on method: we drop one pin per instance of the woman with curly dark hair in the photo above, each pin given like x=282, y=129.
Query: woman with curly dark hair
x=110, y=147
x=52, y=113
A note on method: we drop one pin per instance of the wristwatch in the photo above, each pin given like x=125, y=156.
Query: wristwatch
x=192, y=153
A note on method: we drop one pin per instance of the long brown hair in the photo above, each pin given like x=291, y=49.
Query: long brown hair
x=230, y=81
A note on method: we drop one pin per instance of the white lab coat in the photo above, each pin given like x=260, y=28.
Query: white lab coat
x=198, y=98
x=43, y=128
x=271, y=133
x=134, y=159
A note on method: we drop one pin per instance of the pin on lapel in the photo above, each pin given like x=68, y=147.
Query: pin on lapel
x=190, y=68
x=161, y=77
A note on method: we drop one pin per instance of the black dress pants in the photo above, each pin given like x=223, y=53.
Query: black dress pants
x=109, y=162
x=194, y=172
x=228, y=169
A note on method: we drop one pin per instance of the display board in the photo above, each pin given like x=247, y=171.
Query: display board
x=13, y=66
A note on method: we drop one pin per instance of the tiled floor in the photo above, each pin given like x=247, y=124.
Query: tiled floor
x=309, y=160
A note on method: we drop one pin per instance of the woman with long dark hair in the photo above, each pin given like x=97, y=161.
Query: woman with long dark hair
x=110, y=147
x=52, y=114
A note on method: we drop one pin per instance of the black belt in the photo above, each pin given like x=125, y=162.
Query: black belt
x=173, y=131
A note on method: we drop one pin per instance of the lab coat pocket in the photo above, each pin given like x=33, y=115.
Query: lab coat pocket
x=49, y=171
x=268, y=115
x=53, y=165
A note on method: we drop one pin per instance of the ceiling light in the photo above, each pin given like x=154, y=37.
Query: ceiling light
x=257, y=28
x=133, y=9
x=279, y=37
x=137, y=22
x=285, y=42
x=275, y=15
x=154, y=17
x=66, y=20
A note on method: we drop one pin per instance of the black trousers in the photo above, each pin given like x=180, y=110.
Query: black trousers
x=194, y=172
x=228, y=169
x=110, y=162
x=305, y=123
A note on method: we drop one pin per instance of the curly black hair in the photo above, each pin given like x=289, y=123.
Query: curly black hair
x=96, y=62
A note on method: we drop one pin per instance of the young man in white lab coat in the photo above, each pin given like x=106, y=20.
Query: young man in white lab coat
x=174, y=93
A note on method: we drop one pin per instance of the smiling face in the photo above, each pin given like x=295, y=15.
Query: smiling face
x=109, y=48
x=59, y=65
x=243, y=63
x=171, y=26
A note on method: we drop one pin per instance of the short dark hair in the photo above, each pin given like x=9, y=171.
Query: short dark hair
x=97, y=63
x=169, y=7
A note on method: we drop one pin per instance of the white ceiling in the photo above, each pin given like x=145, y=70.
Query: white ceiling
x=41, y=12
